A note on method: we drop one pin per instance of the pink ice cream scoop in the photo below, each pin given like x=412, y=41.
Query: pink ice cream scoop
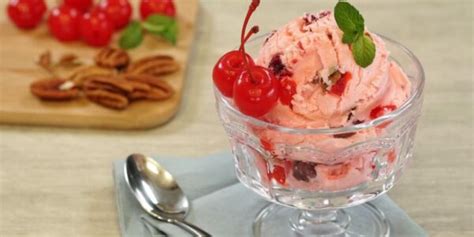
x=309, y=51
x=331, y=91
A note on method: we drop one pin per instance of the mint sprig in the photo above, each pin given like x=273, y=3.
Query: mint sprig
x=162, y=26
x=351, y=22
x=132, y=36
x=363, y=50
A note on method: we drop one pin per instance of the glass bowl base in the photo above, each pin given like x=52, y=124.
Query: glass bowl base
x=363, y=220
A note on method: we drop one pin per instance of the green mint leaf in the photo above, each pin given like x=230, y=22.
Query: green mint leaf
x=159, y=20
x=171, y=33
x=349, y=20
x=163, y=26
x=132, y=36
x=153, y=28
x=363, y=50
x=350, y=37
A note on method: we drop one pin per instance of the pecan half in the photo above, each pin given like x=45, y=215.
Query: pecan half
x=84, y=73
x=112, y=58
x=334, y=77
x=107, y=99
x=110, y=84
x=160, y=89
x=50, y=89
x=140, y=90
x=44, y=60
x=327, y=81
x=68, y=60
x=154, y=65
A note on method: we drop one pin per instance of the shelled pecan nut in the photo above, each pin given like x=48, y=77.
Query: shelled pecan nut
x=154, y=65
x=140, y=90
x=44, y=60
x=139, y=86
x=111, y=84
x=68, y=60
x=50, y=89
x=160, y=89
x=84, y=73
x=112, y=58
x=107, y=99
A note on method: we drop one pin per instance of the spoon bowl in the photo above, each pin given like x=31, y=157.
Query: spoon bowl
x=158, y=192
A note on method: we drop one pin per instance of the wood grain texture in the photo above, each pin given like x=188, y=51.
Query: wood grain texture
x=19, y=51
x=58, y=182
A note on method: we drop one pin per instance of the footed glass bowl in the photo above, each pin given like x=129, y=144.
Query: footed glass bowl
x=311, y=184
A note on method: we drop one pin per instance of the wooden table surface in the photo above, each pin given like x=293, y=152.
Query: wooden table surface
x=58, y=182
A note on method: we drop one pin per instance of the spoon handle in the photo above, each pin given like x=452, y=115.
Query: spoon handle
x=192, y=229
x=152, y=228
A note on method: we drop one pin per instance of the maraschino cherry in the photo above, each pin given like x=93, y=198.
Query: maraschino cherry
x=229, y=67
x=256, y=91
x=254, y=88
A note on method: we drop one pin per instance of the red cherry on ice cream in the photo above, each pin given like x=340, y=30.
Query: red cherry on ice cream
x=230, y=66
x=256, y=91
x=228, y=69
x=254, y=88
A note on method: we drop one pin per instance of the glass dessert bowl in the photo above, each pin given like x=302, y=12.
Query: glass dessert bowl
x=313, y=175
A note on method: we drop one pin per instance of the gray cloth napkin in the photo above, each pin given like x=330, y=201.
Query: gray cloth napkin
x=220, y=205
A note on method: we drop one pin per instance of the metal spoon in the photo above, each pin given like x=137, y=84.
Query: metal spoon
x=158, y=193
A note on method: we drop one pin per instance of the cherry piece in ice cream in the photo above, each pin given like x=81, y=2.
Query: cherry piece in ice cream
x=303, y=171
x=381, y=110
x=277, y=174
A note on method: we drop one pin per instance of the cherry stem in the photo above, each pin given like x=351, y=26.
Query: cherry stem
x=253, y=30
x=243, y=38
x=252, y=8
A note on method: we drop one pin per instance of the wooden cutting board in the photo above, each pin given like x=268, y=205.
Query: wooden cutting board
x=19, y=51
